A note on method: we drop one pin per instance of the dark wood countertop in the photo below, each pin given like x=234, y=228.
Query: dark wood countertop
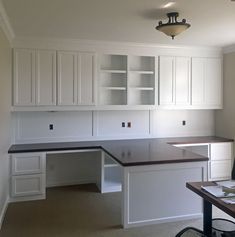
x=131, y=152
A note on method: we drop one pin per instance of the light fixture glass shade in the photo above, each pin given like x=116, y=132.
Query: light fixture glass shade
x=173, y=27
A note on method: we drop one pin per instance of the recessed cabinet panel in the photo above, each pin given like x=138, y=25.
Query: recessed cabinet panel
x=27, y=185
x=24, y=77
x=220, y=170
x=182, y=81
x=221, y=151
x=86, y=79
x=27, y=163
x=46, y=77
x=198, y=81
x=67, y=78
x=213, y=82
x=166, y=80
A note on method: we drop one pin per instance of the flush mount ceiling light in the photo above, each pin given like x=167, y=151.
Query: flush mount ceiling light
x=172, y=27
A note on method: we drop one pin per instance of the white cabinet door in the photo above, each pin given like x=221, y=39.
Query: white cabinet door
x=27, y=185
x=220, y=170
x=76, y=72
x=221, y=151
x=86, y=81
x=207, y=82
x=45, y=77
x=28, y=163
x=198, y=81
x=67, y=78
x=213, y=82
x=182, y=80
x=24, y=77
x=175, y=80
x=220, y=166
x=34, y=77
x=166, y=80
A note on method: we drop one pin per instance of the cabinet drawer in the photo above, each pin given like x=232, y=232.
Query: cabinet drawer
x=25, y=185
x=220, y=170
x=28, y=163
x=221, y=151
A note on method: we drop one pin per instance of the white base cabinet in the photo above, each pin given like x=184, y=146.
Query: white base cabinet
x=221, y=161
x=28, y=176
x=220, y=158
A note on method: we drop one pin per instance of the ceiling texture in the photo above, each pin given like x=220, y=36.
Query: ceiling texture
x=212, y=21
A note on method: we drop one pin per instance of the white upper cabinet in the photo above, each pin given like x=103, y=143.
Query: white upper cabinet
x=67, y=78
x=182, y=80
x=46, y=77
x=86, y=85
x=52, y=79
x=24, y=77
x=34, y=77
x=166, y=80
x=207, y=82
x=174, y=80
x=75, y=78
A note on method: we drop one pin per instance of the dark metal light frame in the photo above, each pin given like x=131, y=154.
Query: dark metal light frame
x=173, y=27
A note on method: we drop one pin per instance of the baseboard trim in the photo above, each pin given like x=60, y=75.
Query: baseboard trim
x=3, y=212
x=163, y=220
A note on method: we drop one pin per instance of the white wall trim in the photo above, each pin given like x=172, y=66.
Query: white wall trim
x=3, y=211
x=5, y=24
x=229, y=49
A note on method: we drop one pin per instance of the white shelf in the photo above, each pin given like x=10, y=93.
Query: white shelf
x=111, y=186
x=113, y=71
x=114, y=88
x=143, y=88
x=142, y=72
x=110, y=165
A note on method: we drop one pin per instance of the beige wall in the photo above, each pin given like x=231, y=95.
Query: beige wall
x=5, y=116
x=225, y=118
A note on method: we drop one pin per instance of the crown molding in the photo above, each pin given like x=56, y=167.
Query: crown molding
x=229, y=49
x=78, y=44
x=5, y=24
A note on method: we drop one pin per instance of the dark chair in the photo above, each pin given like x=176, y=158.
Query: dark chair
x=190, y=232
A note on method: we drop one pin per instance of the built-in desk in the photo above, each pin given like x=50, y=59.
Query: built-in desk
x=153, y=174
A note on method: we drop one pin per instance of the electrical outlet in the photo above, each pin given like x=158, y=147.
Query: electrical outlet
x=51, y=126
x=123, y=125
x=129, y=124
x=183, y=122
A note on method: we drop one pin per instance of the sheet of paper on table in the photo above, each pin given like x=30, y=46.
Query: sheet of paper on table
x=230, y=200
x=217, y=191
x=227, y=183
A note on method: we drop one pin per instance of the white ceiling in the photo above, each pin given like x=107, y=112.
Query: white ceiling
x=212, y=21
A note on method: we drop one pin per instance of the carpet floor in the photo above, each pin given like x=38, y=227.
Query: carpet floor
x=79, y=211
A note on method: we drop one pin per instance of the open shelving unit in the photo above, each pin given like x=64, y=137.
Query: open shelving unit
x=113, y=80
x=127, y=80
x=141, y=81
x=111, y=175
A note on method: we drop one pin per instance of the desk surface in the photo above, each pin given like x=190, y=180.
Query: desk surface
x=196, y=187
x=131, y=152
